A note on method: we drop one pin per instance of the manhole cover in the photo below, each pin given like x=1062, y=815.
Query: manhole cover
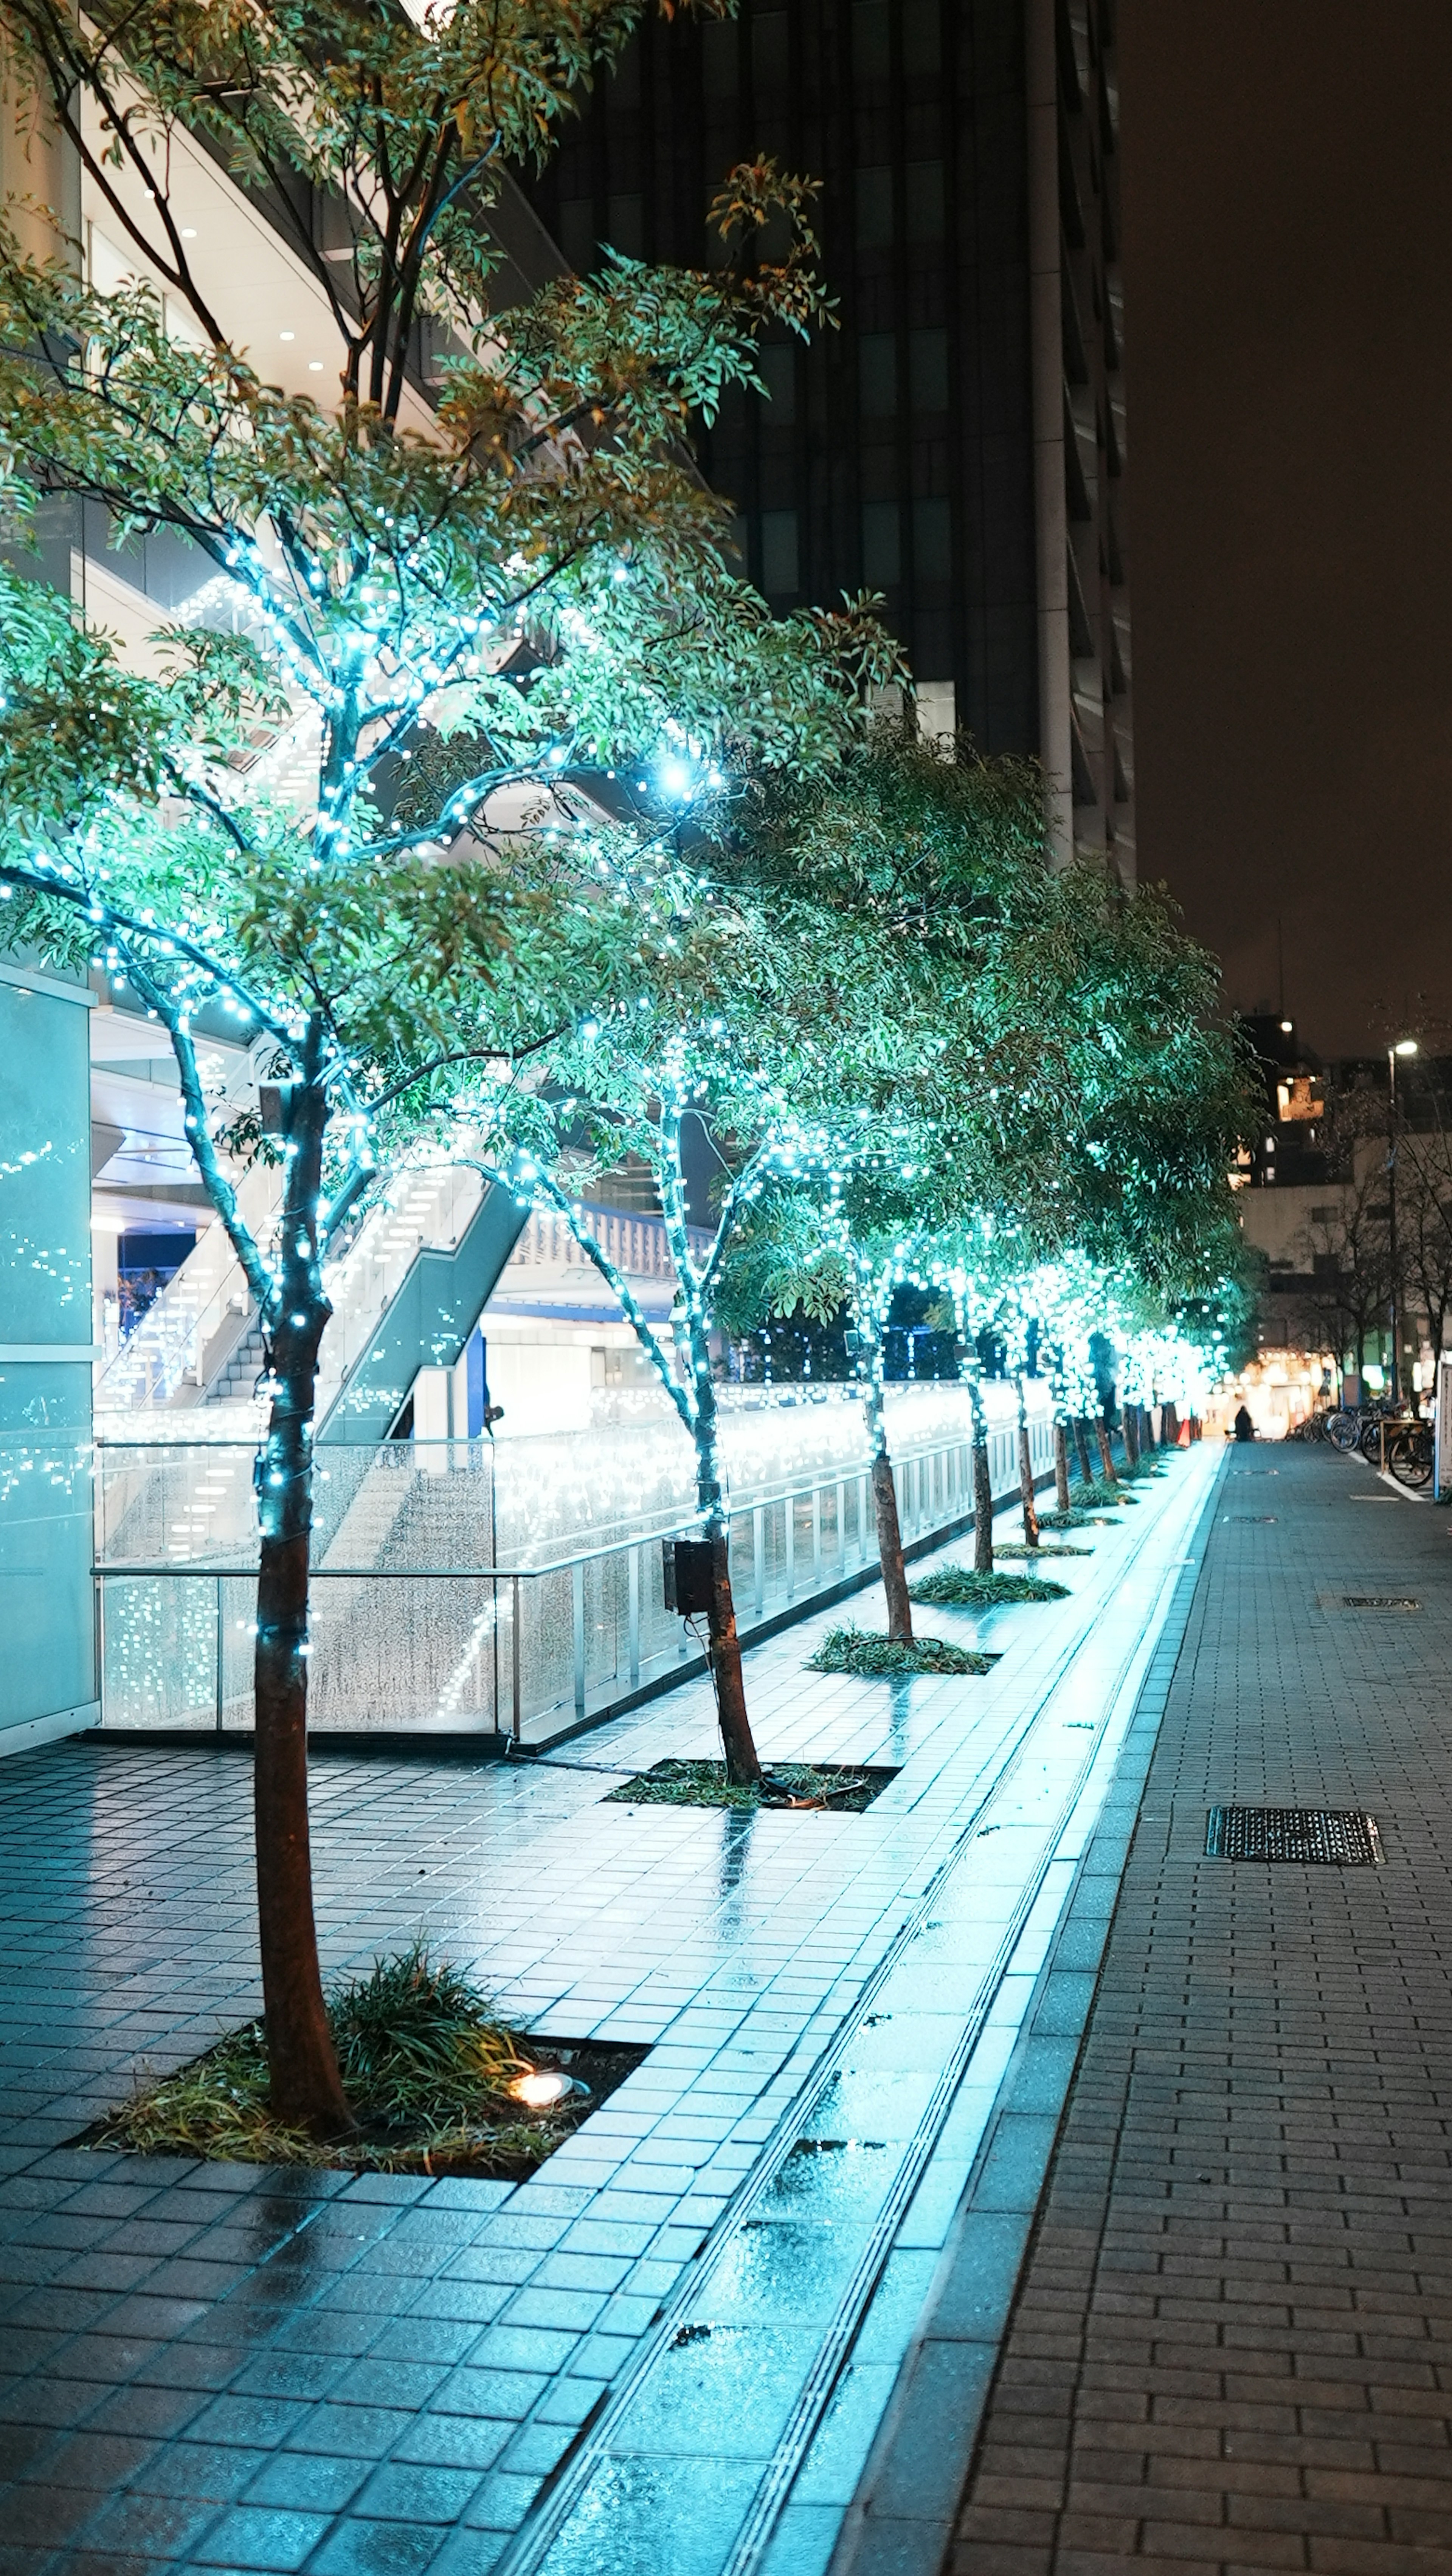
x=1379, y=1601
x=1336, y=1834
x=1252, y=1516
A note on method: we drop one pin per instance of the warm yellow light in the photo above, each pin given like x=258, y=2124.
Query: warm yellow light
x=540, y=2090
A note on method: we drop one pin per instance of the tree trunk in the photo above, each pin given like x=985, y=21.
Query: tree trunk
x=1081, y=1445
x=1169, y=1426
x=743, y=1766
x=306, y=2089
x=1061, y=1467
x=982, y=1479
x=884, y=1504
x=1026, y=1474
x=889, y=1548
x=1106, y=1454
x=1130, y=1419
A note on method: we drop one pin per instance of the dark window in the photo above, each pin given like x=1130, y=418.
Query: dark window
x=778, y=552
x=924, y=198
x=720, y=57
x=770, y=51
x=871, y=47
x=877, y=374
x=928, y=369
x=921, y=37
x=625, y=80
x=625, y=225
x=777, y=368
x=881, y=544
x=874, y=209
x=932, y=540
x=577, y=232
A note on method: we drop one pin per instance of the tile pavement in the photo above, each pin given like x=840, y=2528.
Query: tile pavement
x=1231, y=2349
x=217, y=2367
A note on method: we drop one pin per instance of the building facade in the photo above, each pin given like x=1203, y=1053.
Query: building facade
x=957, y=441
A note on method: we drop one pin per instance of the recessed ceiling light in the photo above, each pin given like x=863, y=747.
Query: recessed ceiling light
x=315, y=366
x=189, y=232
x=287, y=335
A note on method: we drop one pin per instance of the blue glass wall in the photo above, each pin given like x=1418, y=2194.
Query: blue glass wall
x=47, y=1669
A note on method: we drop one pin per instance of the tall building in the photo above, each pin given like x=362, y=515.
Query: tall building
x=958, y=442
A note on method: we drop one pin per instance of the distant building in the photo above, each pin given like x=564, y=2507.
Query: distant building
x=959, y=442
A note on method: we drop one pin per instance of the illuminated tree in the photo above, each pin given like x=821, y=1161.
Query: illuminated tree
x=711, y=1007
x=533, y=568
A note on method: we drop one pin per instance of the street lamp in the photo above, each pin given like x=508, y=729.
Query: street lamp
x=1403, y=1046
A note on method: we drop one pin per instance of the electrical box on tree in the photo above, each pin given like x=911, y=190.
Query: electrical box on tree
x=688, y=1578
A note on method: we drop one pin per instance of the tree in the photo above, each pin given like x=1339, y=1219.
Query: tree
x=717, y=1008
x=535, y=569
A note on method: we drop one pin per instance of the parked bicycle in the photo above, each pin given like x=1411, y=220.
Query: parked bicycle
x=1409, y=1453
x=1347, y=1426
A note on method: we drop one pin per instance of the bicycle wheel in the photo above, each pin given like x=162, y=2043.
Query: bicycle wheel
x=1341, y=1431
x=1369, y=1441
x=1409, y=1457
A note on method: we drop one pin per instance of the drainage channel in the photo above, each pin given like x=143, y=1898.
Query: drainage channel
x=694, y=2453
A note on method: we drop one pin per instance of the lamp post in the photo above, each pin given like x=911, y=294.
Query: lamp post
x=1403, y=1046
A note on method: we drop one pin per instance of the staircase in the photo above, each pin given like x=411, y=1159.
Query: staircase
x=237, y=1379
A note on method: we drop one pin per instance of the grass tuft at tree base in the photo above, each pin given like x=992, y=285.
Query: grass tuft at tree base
x=967, y=1590
x=841, y=1786
x=1096, y=1497
x=1072, y=1520
x=874, y=1658
x=426, y=2065
x=1037, y=1554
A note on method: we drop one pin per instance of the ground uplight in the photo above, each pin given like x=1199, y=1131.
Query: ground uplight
x=540, y=2090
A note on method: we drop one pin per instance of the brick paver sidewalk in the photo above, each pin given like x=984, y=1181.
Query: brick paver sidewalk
x=1232, y=2346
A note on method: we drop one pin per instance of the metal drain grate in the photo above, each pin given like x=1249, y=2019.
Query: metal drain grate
x=1379, y=1601
x=1336, y=1834
x=1252, y=1516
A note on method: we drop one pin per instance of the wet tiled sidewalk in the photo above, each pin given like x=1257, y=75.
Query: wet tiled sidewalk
x=217, y=2367
x=1232, y=2349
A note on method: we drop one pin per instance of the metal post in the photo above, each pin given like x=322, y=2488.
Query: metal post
x=862, y=1520
x=841, y=1529
x=577, y=1589
x=789, y=1507
x=1391, y=1232
x=758, y=1559
x=634, y=1616
x=219, y=1654
x=816, y=1538
x=516, y=1712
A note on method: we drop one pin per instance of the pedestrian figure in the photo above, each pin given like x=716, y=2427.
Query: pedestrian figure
x=1244, y=1427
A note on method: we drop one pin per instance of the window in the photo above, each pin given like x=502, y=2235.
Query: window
x=720, y=58
x=871, y=46
x=625, y=225
x=625, y=79
x=928, y=369
x=924, y=199
x=922, y=50
x=881, y=544
x=777, y=368
x=932, y=540
x=778, y=552
x=877, y=374
x=577, y=232
x=874, y=209
x=770, y=51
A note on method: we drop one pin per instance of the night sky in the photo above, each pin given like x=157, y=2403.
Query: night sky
x=1287, y=177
